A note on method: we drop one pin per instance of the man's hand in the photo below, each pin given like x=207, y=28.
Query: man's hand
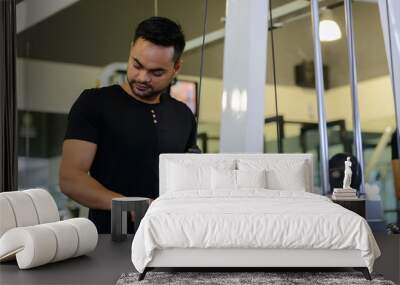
x=133, y=216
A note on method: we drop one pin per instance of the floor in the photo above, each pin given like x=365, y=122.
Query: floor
x=111, y=259
x=389, y=262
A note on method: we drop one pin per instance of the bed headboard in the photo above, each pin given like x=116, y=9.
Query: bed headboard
x=196, y=159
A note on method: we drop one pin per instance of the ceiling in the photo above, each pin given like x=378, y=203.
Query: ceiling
x=98, y=32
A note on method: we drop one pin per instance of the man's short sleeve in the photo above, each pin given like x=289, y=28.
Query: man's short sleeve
x=84, y=117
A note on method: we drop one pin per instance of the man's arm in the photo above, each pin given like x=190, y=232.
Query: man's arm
x=75, y=182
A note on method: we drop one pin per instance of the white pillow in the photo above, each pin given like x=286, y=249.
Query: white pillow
x=183, y=177
x=294, y=181
x=236, y=179
x=223, y=179
x=191, y=174
x=251, y=178
x=284, y=174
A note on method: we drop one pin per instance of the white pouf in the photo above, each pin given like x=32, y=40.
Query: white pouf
x=40, y=244
x=26, y=208
x=7, y=218
x=33, y=246
x=87, y=235
x=67, y=240
x=45, y=205
x=23, y=208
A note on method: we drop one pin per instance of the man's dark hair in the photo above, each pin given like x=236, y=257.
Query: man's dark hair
x=164, y=32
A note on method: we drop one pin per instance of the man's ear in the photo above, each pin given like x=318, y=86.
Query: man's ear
x=177, y=66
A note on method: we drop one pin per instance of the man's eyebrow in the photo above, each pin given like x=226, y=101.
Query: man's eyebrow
x=138, y=62
x=157, y=69
x=152, y=70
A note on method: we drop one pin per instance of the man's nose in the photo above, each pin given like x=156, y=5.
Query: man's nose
x=144, y=76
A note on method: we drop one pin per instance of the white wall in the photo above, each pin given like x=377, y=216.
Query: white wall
x=376, y=104
x=51, y=86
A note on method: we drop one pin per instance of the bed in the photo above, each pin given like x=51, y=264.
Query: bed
x=246, y=211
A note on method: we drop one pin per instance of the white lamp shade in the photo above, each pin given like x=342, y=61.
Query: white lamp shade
x=329, y=31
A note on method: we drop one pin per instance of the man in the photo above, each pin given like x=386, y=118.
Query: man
x=117, y=133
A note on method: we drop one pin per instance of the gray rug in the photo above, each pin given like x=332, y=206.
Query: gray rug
x=243, y=278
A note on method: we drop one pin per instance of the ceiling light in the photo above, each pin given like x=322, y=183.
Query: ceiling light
x=329, y=31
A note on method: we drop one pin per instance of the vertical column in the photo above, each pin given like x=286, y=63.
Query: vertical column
x=319, y=87
x=245, y=51
x=390, y=21
x=353, y=88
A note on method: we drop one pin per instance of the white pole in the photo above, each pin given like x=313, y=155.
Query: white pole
x=319, y=87
x=390, y=15
x=245, y=57
x=354, y=93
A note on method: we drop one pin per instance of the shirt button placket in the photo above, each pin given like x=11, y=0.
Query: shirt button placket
x=154, y=116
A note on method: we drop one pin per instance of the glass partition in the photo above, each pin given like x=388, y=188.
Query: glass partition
x=297, y=101
x=74, y=48
x=57, y=60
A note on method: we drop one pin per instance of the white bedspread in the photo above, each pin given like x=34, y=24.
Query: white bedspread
x=252, y=218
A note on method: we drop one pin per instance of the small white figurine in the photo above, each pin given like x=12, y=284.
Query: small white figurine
x=347, y=174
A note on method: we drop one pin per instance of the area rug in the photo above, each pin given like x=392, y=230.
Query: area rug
x=244, y=278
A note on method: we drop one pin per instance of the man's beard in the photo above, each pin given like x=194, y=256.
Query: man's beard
x=144, y=91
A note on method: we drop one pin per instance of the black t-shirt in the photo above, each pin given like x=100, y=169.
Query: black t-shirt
x=129, y=135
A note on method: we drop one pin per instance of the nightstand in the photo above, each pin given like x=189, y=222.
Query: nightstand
x=357, y=205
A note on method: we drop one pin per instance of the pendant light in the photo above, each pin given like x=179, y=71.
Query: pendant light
x=328, y=28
